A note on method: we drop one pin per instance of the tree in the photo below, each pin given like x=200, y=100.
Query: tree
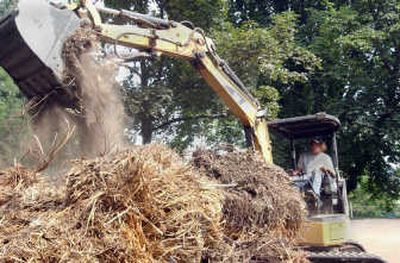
x=167, y=97
x=155, y=100
x=11, y=101
x=262, y=11
x=202, y=13
x=262, y=57
x=359, y=47
x=357, y=42
x=6, y=5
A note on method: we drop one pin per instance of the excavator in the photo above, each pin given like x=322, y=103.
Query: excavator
x=31, y=43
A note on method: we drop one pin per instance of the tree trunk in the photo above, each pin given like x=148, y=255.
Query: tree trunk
x=147, y=130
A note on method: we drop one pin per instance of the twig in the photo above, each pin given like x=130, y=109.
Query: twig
x=55, y=148
x=39, y=144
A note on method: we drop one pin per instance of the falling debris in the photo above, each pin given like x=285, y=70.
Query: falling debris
x=100, y=111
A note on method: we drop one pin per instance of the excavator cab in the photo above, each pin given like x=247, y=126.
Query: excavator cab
x=299, y=130
x=326, y=232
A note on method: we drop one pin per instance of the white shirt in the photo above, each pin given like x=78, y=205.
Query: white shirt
x=311, y=165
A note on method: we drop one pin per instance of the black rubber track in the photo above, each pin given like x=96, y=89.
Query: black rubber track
x=341, y=256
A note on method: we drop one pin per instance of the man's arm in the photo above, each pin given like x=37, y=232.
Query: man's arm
x=300, y=163
x=300, y=166
x=328, y=165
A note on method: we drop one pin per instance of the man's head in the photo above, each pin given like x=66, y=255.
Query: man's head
x=316, y=146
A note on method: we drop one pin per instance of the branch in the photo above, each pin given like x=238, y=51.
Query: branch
x=181, y=119
x=46, y=158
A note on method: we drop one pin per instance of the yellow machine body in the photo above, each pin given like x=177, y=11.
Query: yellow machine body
x=326, y=230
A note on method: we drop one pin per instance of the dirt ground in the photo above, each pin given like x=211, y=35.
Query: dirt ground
x=379, y=236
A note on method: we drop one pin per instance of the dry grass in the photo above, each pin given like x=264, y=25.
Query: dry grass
x=147, y=205
x=262, y=211
x=143, y=205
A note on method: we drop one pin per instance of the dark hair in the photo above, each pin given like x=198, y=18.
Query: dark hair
x=316, y=141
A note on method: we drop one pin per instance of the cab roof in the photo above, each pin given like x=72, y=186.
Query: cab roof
x=319, y=124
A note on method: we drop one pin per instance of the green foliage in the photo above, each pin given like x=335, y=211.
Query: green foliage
x=5, y=5
x=178, y=10
x=10, y=100
x=267, y=55
x=365, y=204
x=11, y=119
x=168, y=99
x=194, y=107
x=262, y=11
x=165, y=97
x=202, y=13
x=358, y=45
x=269, y=97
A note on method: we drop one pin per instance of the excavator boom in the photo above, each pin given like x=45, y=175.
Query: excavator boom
x=33, y=36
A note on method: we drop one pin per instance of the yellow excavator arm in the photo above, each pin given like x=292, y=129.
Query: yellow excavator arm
x=164, y=37
x=178, y=40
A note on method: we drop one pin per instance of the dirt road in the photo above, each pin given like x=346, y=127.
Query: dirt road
x=379, y=236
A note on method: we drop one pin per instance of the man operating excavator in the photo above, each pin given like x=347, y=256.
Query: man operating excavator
x=316, y=167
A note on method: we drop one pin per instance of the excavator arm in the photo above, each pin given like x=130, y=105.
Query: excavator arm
x=170, y=38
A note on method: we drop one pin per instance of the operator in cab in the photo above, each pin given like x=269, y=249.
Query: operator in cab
x=315, y=164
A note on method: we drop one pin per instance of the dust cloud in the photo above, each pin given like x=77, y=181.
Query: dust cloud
x=102, y=121
x=49, y=126
x=97, y=120
x=92, y=78
x=91, y=124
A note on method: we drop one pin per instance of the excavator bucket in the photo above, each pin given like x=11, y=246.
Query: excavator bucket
x=31, y=41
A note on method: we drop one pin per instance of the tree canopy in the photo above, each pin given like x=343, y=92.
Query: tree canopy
x=298, y=57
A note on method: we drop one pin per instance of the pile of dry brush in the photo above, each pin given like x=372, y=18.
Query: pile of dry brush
x=263, y=213
x=142, y=205
x=147, y=205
